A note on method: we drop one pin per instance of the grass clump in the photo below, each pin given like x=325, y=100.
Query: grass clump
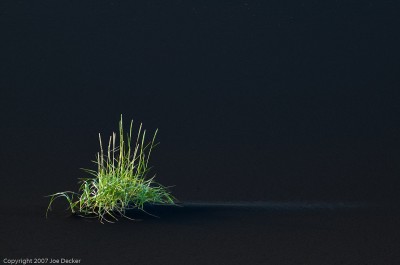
x=120, y=182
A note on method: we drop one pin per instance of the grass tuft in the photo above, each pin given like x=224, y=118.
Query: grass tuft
x=120, y=182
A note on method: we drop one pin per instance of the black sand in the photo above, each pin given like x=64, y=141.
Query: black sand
x=206, y=233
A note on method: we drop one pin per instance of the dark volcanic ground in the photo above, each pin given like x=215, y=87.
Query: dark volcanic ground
x=210, y=233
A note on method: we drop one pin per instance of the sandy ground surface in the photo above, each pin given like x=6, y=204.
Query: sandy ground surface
x=207, y=233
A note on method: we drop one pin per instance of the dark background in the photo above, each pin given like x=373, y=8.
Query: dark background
x=254, y=100
x=292, y=103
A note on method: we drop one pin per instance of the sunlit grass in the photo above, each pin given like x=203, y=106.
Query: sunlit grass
x=121, y=181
